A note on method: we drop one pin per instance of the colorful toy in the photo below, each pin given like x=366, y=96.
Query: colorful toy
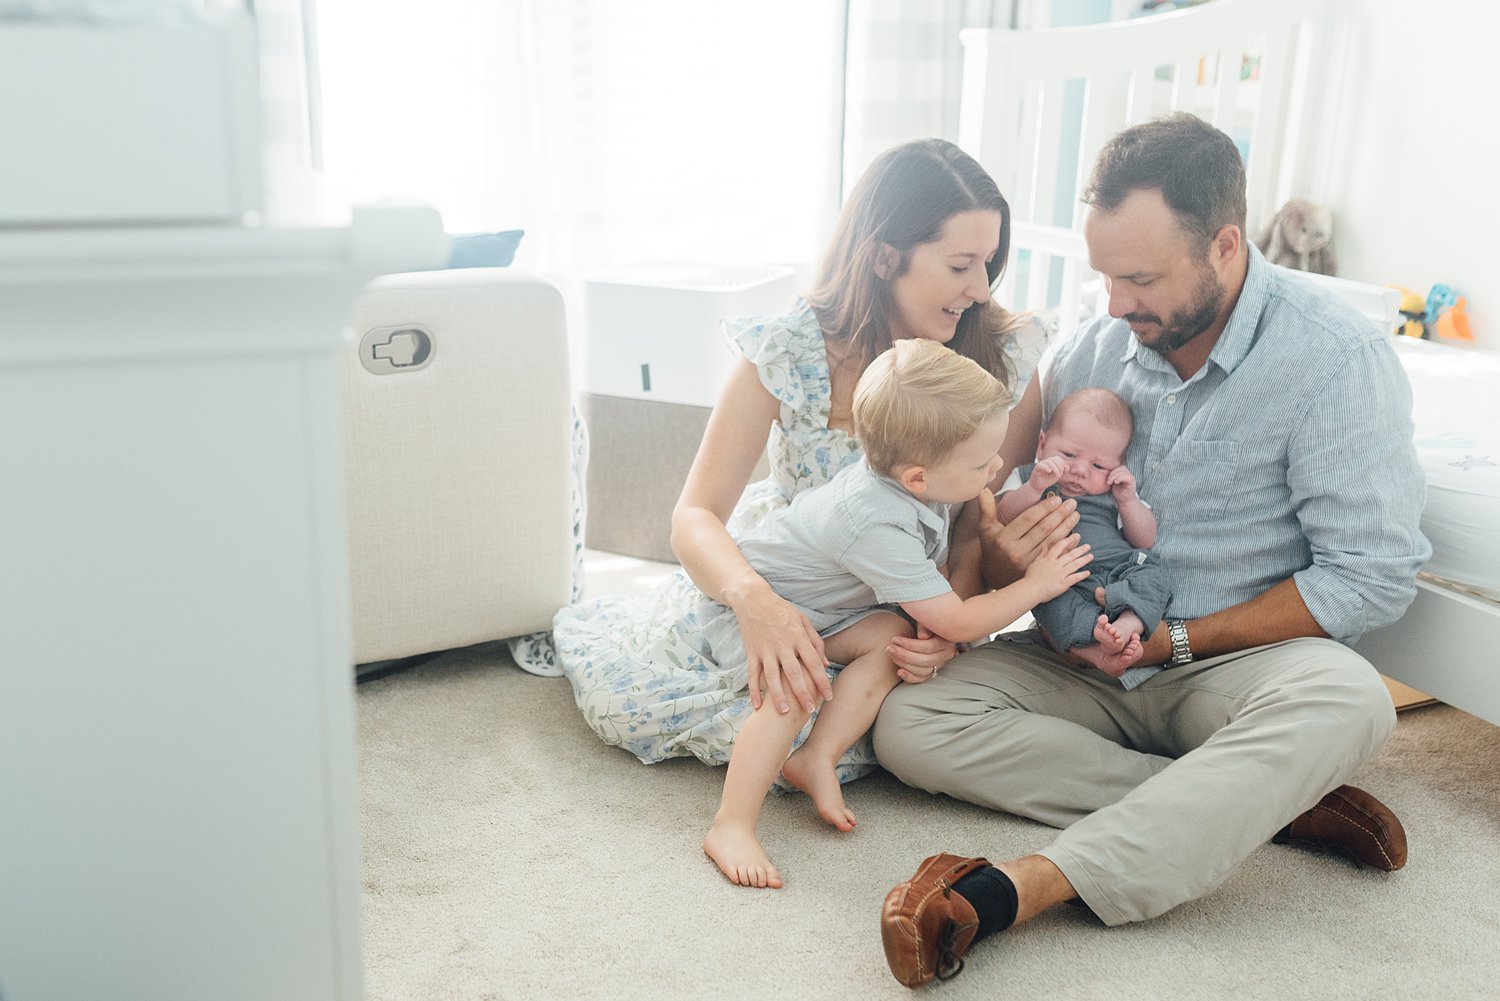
x=1444, y=313
x=1414, y=308
x=1439, y=298
x=1453, y=325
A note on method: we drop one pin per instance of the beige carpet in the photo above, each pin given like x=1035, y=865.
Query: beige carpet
x=510, y=854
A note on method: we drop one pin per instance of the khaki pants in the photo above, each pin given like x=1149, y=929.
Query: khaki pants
x=1161, y=790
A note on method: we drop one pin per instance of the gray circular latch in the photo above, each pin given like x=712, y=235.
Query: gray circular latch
x=389, y=350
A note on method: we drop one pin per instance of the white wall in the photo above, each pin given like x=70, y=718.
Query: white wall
x=1415, y=185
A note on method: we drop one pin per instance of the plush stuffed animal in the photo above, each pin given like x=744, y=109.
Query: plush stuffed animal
x=1300, y=236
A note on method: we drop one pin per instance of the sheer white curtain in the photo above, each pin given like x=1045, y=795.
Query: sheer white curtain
x=905, y=72
x=286, y=98
x=624, y=131
x=611, y=132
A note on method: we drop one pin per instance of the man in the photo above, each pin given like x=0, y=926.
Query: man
x=1274, y=442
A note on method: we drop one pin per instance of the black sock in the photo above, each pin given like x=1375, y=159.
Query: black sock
x=993, y=897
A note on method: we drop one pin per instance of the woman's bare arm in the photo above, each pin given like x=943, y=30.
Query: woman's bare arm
x=782, y=647
x=1021, y=436
x=732, y=444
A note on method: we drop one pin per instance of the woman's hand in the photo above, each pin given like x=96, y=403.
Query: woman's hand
x=918, y=659
x=784, y=651
x=1010, y=549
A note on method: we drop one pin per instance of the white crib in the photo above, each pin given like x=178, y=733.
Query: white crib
x=1037, y=106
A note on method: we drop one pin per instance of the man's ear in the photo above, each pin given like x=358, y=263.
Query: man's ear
x=913, y=479
x=1226, y=245
x=887, y=262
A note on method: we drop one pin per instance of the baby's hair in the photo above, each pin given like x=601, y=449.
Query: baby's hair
x=918, y=401
x=1100, y=404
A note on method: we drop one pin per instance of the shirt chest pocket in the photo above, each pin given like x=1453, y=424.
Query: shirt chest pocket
x=1200, y=475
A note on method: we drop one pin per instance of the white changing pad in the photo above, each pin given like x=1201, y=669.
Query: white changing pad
x=1456, y=394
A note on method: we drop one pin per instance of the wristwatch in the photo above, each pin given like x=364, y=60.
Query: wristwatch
x=1181, y=652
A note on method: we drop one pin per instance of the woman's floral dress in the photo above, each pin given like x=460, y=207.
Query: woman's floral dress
x=640, y=669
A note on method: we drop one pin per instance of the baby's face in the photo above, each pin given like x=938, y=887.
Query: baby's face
x=1089, y=449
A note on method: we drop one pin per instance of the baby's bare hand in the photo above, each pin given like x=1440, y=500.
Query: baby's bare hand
x=1047, y=472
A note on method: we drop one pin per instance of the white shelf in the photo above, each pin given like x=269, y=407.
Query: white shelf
x=176, y=734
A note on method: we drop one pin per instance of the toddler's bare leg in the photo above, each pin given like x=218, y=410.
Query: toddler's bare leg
x=860, y=688
x=759, y=750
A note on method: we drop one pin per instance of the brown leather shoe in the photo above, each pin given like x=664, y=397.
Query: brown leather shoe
x=926, y=927
x=1353, y=823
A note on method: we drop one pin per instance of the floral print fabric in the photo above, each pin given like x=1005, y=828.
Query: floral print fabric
x=641, y=672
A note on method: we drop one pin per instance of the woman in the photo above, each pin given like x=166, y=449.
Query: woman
x=917, y=249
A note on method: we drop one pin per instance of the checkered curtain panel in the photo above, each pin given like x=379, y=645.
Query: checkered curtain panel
x=287, y=100
x=904, y=70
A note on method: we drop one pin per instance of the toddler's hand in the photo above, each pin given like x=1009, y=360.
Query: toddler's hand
x=1046, y=473
x=1121, y=482
x=1058, y=568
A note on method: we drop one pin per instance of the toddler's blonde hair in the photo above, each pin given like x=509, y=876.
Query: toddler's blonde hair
x=917, y=401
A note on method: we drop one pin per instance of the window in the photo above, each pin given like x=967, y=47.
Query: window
x=612, y=132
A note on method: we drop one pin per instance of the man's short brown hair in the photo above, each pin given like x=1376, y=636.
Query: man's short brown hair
x=1197, y=168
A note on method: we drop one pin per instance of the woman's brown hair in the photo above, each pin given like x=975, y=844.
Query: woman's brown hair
x=903, y=200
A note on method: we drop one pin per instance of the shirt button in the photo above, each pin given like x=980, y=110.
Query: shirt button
x=1172, y=398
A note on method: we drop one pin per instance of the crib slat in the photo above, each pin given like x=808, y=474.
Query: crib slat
x=1005, y=292
x=1184, y=81
x=1028, y=171
x=1069, y=307
x=1267, y=148
x=1049, y=142
x=1104, y=99
x=1142, y=95
x=1228, y=63
x=1284, y=93
x=1036, y=280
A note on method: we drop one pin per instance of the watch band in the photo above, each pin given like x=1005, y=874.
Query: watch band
x=1182, y=653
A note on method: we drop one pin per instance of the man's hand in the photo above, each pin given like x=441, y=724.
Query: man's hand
x=1010, y=549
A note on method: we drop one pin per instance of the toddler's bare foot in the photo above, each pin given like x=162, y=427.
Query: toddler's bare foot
x=738, y=854
x=1112, y=664
x=821, y=782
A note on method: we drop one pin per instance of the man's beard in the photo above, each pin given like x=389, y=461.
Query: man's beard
x=1190, y=321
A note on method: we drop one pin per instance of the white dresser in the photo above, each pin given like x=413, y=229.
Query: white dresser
x=177, y=777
